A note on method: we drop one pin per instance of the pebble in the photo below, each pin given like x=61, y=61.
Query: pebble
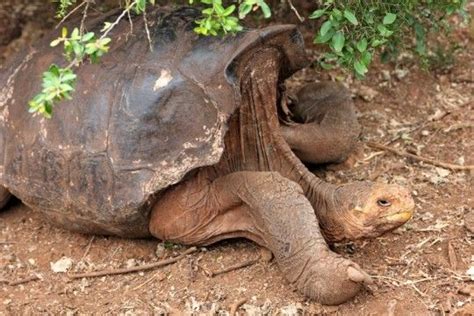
x=62, y=265
x=469, y=221
x=366, y=93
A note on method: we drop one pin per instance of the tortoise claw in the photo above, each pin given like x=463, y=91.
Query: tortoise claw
x=358, y=275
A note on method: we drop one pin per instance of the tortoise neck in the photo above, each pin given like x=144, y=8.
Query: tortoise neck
x=262, y=144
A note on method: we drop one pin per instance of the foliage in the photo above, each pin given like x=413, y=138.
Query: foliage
x=355, y=30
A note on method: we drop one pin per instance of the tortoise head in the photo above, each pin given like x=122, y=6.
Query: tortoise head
x=367, y=209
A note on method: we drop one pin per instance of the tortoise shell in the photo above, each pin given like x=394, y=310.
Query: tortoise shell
x=139, y=121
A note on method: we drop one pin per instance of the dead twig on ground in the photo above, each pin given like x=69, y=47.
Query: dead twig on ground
x=25, y=280
x=236, y=305
x=453, y=261
x=156, y=275
x=235, y=267
x=88, y=248
x=419, y=158
x=133, y=269
x=7, y=242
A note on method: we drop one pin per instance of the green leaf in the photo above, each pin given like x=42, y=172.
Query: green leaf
x=350, y=17
x=265, y=9
x=366, y=58
x=389, y=18
x=64, y=32
x=75, y=33
x=326, y=66
x=317, y=14
x=338, y=41
x=88, y=36
x=362, y=45
x=56, y=42
x=325, y=27
x=385, y=32
x=320, y=39
x=244, y=9
x=360, y=67
x=228, y=10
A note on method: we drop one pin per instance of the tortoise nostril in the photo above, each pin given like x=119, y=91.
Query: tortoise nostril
x=384, y=203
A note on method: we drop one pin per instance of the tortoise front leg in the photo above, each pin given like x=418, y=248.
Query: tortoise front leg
x=268, y=209
x=4, y=197
x=326, y=128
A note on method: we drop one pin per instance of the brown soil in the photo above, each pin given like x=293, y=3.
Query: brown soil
x=418, y=269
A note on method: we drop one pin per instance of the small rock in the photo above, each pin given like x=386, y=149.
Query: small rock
x=467, y=290
x=438, y=114
x=425, y=132
x=470, y=273
x=386, y=75
x=401, y=73
x=366, y=93
x=160, y=250
x=131, y=263
x=443, y=173
x=62, y=265
x=469, y=222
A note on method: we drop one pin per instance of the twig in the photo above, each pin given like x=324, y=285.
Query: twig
x=84, y=16
x=147, y=30
x=149, y=266
x=235, y=267
x=427, y=160
x=71, y=13
x=88, y=248
x=148, y=281
x=236, y=305
x=119, y=18
x=296, y=11
x=453, y=261
x=26, y=280
x=7, y=242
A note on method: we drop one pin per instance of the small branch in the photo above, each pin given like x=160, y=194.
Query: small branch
x=295, y=11
x=26, y=280
x=119, y=18
x=236, y=305
x=84, y=15
x=147, y=30
x=133, y=269
x=235, y=267
x=71, y=13
x=148, y=281
x=419, y=158
x=88, y=248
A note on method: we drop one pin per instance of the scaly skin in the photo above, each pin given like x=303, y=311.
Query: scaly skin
x=268, y=209
x=261, y=191
x=326, y=131
x=326, y=127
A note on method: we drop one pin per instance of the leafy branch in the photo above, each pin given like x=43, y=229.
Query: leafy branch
x=354, y=31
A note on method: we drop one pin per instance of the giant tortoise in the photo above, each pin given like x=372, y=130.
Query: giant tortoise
x=190, y=143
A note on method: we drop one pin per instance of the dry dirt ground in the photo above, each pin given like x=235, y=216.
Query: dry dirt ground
x=419, y=269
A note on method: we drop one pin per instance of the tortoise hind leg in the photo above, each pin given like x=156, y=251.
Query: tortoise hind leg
x=4, y=197
x=327, y=129
x=268, y=209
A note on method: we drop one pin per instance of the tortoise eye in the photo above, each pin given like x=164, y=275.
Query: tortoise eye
x=384, y=203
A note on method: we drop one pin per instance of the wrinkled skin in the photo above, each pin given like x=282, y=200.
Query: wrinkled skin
x=258, y=188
